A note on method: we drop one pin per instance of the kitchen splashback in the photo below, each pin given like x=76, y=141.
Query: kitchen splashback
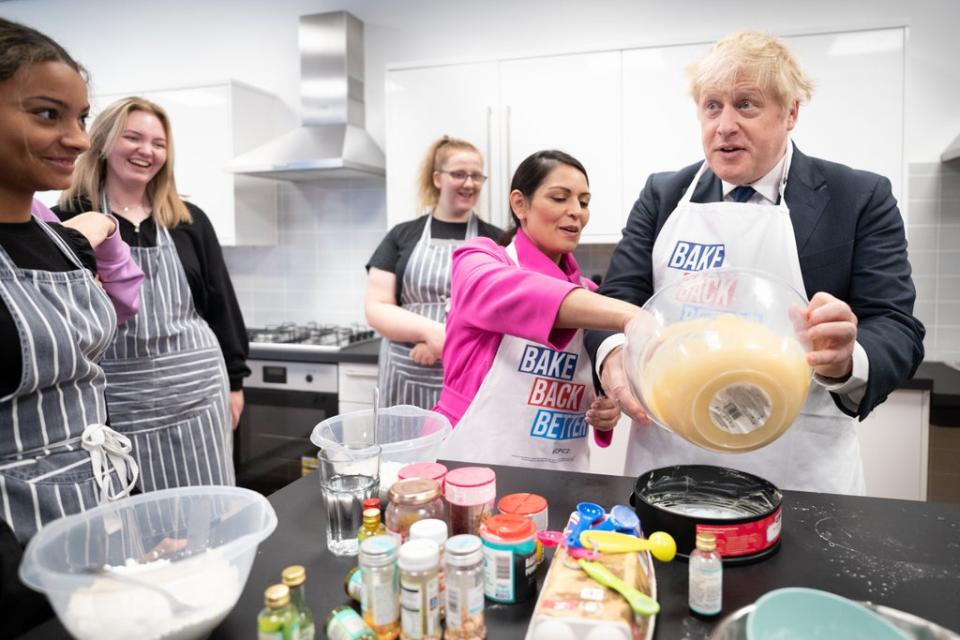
x=327, y=232
x=933, y=236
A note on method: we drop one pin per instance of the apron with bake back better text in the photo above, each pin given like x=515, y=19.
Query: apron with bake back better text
x=425, y=291
x=530, y=409
x=820, y=452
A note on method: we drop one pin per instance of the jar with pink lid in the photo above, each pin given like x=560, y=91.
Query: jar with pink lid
x=432, y=470
x=470, y=493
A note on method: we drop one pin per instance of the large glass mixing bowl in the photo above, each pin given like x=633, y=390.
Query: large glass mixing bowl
x=719, y=358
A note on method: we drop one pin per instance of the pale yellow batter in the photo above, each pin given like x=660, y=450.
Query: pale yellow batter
x=724, y=383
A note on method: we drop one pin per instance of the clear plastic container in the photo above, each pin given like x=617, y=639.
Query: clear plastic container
x=406, y=434
x=105, y=571
x=720, y=358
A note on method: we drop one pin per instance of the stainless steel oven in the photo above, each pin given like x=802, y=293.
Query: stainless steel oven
x=292, y=388
x=283, y=402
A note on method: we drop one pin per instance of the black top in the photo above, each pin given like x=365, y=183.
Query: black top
x=30, y=247
x=394, y=251
x=202, y=260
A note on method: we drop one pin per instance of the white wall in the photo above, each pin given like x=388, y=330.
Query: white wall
x=132, y=44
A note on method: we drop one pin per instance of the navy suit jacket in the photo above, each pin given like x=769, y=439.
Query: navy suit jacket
x=851, y=244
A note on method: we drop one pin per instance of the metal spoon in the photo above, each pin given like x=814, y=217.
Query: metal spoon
x=177, y=606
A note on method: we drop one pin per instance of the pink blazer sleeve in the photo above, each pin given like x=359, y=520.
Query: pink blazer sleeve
x=119, y=273
x=494, y=294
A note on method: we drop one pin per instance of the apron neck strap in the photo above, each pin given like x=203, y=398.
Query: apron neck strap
x=782, y=185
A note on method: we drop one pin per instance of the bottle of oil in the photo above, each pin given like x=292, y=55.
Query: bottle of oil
x=706, y=577
x=277, y=620
x=372, y=526
x=295, y=577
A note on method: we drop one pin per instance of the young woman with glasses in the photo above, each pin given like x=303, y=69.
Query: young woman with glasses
x=408, y=286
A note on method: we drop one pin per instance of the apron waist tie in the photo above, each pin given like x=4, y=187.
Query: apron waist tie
x=110, y=451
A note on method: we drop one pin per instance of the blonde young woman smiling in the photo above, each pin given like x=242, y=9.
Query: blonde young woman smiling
x=408, y=286
x=175, y=371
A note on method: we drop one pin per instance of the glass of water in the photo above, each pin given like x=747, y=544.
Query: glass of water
x=349, y=474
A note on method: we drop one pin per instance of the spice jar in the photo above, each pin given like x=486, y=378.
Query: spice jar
x=471, y=492
x=509, y=558
x=432, y=470
x=464, y=594
x=380, y=590
x=419, y=589
x=436, y=530
x=529, y=505
x=412, y=500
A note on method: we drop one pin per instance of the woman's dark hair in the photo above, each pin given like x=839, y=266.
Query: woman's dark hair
x=21, y=46
x=530, y=175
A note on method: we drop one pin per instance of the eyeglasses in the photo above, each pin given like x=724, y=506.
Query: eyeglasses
x=461, y=176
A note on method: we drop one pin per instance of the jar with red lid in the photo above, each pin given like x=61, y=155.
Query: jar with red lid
x=432, y=470
x=528, y=505
x=412, y=500
x=509, y=558
x=471, y=493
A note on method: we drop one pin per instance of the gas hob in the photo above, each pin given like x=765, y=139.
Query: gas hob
x=309, y=337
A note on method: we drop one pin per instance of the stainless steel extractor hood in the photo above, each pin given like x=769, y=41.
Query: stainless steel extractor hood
x=332, y=142
x=952, y=152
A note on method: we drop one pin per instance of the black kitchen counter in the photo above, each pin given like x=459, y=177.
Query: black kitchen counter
x=363, y=352
x=902, y=554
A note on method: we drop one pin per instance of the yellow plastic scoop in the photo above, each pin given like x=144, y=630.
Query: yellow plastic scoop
x=660, y=543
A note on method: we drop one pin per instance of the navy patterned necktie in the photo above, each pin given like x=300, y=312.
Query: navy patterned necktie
x=743, y=194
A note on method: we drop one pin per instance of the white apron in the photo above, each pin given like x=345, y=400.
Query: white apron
x=530, y=409
x=820, y=452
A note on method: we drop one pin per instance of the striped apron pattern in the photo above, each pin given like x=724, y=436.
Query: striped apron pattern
x=167, y=385
x=56, y=456
x=425, y=291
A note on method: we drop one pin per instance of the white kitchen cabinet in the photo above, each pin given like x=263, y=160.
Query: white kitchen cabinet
x=424, y=104
x=571, y=103
x=894, y=442
x=211, y=124
x=356, y=382
x=509, y=109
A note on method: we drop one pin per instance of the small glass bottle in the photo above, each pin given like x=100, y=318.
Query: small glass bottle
x=380, y=595
x=436, y=530
x=706, y=577
x=277, y=620
x=371, y=525
x=412, y=500
x=419, y=591
x=344, y=623
x=464, y=595
x=295, y=577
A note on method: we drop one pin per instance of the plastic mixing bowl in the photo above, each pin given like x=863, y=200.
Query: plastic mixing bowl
x=719, y=358
x=812, y=614
x=405, y=433
x=168, y=564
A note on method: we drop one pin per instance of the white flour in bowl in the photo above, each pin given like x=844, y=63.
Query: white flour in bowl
x=112, y=609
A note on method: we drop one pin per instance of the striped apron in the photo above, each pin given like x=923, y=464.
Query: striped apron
x=56, y=456
x=167, y=385
x=425, y=291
